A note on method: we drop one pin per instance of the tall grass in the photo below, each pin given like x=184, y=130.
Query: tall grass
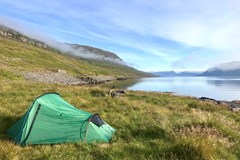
x=149, y=125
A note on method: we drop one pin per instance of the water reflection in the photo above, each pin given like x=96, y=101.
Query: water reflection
x=124, y=84
x=212, y=87
x=226, y=83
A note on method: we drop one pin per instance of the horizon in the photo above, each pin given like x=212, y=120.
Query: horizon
x=149, y=36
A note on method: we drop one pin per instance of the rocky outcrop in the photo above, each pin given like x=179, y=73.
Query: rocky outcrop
x=96, y=79
x=11, y=34
x=61, y=77
x=53, y=77
x=232, y=105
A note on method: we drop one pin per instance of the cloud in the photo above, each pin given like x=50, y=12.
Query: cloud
x=25, y=29
x=80, y=52
x=163, y=30
x=227, y=66
x=195, y=23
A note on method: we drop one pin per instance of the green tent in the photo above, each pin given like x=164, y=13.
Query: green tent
x=50, y=119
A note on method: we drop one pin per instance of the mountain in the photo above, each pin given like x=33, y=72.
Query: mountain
x=12, y=34
x=96, y=53
x=188, y=73
x=175, y=74
x=225, y=69
x=77, y=50
x=164, y=73
x=19, y=53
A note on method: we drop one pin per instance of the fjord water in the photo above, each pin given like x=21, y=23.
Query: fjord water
x=219, y=88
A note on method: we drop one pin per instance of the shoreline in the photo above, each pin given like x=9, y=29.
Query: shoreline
x=232, y=105
x=61, y=77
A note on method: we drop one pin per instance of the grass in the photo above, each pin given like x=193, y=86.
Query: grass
x=17, y=56
x=149, y=125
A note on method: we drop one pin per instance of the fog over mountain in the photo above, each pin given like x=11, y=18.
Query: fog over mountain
x=225, y=69
x=38, y=39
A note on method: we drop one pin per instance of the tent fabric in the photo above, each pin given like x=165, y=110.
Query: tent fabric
x=50, y=119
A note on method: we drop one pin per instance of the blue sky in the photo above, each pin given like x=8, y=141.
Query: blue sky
x=149, y=35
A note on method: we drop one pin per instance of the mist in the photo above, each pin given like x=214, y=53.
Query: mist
x=227, y=66
x=37, y=35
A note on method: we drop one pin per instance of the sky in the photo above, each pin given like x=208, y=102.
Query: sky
x=154, y=35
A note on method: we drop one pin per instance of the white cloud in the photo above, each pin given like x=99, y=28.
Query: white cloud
x=28, y=31
x=197, y=23
x=208, y=24
x=227, y=66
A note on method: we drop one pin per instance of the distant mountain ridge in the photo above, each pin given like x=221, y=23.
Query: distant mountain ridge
x=95, y=50
x=102, y=54
x=87, y=52
x=176, y=74
x=225, y=69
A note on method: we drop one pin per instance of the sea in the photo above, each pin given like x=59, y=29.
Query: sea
x=219, y=88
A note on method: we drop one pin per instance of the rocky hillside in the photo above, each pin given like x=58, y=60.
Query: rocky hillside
x=19, y=57
x=12, y=34
x=82, y=51
x=225, y=69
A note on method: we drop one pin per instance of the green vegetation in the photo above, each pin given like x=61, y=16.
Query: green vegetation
x=17, y=56
x=149, y=125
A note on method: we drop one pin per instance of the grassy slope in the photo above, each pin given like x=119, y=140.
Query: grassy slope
x=17, y=56
x=149, y=125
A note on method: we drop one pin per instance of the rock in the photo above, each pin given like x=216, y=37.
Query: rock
x=9, y=33
x=53, y=77
x=235, y=109
x=120, y=92
x=206, y=99
x=24, y=39
x=58, y=70
x=96, y=79
x=122, y=78
x=209, y=100
x=232, y=105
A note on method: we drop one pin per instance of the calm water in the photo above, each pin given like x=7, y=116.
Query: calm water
x=212, y=87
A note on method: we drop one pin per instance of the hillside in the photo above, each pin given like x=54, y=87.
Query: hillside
x=18, y=57
x=101, y=55
x=225, y=69
x=75, y=50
